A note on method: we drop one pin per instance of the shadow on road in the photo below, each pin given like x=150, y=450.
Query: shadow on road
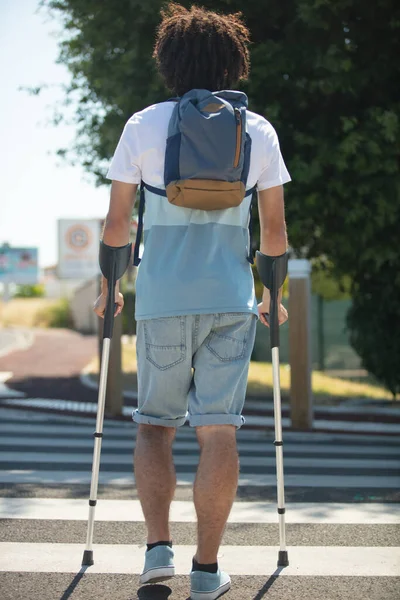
x=154, y=592
x=62, y=387
x=70, y=589
x=270, y=582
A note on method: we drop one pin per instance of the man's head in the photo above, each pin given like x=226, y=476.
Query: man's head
x=198, y=48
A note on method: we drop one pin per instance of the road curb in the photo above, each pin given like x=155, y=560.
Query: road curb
x=24, y=341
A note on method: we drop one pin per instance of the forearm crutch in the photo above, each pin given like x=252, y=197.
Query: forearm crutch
x=113, y=264
x=273, y=271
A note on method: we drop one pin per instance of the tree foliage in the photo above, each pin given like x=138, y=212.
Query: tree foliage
x=30, y=291
x=374, y=325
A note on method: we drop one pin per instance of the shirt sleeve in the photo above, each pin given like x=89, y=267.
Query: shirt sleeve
x=126, y=164
x=274, y=171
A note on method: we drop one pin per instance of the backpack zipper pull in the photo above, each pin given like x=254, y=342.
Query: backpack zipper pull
x=238, y=137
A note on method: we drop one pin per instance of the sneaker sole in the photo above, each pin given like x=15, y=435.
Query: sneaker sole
x=156, y=575
x=211, y=595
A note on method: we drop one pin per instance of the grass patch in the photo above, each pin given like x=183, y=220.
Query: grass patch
x=35, y=312
x=324, y=386
x=326, y=389
x=24, y=312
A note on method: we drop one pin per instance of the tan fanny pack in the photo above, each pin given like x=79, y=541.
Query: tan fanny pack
x=205, y=194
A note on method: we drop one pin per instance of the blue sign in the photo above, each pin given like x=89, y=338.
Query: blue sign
x=19, y=265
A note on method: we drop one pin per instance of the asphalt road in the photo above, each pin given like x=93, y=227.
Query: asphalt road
x=342, y=539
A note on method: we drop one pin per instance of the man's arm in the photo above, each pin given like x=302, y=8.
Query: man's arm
x=116, y=233
x=271, y=210
x=273, y=238
x=118, y=220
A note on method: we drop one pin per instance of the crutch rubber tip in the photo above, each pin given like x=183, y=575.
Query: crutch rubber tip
x=283, y=559
x=87, y=560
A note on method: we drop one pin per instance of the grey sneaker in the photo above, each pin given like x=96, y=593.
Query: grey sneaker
x=158, y=565
x=208, y=586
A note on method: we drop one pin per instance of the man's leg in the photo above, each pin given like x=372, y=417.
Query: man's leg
x=215, y=487
x=155, y=478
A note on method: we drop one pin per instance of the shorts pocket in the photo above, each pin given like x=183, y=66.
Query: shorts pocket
x=228, y=339
x=165, y=341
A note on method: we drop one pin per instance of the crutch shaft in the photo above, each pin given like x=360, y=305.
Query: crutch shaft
x=98, y=435
x=98, y=439
x=279, y=448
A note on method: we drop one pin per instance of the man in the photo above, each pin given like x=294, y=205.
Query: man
x=196, y=309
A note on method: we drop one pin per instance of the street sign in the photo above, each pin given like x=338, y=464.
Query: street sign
x=19, y=265
x=78, y=248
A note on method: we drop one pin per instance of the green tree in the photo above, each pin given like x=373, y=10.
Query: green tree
x=30, y=291
x=374, y=325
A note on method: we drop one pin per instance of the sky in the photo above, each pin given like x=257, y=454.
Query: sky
x=37, y=188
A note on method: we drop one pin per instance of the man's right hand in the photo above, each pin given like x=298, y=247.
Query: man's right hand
x=264, y=308
x=99, y=306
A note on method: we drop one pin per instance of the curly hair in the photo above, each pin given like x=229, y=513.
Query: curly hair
x=198, y=48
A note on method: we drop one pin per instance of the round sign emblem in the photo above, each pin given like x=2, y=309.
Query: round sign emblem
x=78, y=237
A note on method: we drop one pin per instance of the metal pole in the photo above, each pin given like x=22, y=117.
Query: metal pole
x=6, y=292
x=321, y=334
x=301, y=405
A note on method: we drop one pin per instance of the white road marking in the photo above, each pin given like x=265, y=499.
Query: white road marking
x=61, y=423
x=5, y=391
x=4, y=375
x=30, y=458
x=129, y=430
x=310, y=561
x=183, y=479
x=257, y=446
x=183, y=511
x=251, y=420
x=393, y=411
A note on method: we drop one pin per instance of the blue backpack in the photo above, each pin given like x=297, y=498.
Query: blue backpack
x=207, y=157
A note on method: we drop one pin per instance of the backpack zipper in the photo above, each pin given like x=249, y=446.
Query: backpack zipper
x=238, y=137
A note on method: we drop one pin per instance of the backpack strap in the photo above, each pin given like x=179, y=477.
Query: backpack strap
x=139, y=233
x=250, y=256
x=162, y=192
x=136, y=259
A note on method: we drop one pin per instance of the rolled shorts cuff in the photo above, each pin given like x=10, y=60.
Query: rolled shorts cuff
x=147, y=420
x=216, y=419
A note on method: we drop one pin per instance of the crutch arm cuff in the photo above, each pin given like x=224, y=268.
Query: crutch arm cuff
x=114, y=260
x=272, y=269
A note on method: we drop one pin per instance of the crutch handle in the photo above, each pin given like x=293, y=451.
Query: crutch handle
x=108, y=327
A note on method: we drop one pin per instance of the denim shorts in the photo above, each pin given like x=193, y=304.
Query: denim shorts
x=195, y=367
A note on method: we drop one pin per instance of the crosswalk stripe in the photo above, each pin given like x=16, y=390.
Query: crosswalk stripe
x=325, y=464
x=237, y=560
x=82, y=428
x=260, y=422
x=263, y=407
x=21, y=443
x=124, y=478
x=184, y=512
